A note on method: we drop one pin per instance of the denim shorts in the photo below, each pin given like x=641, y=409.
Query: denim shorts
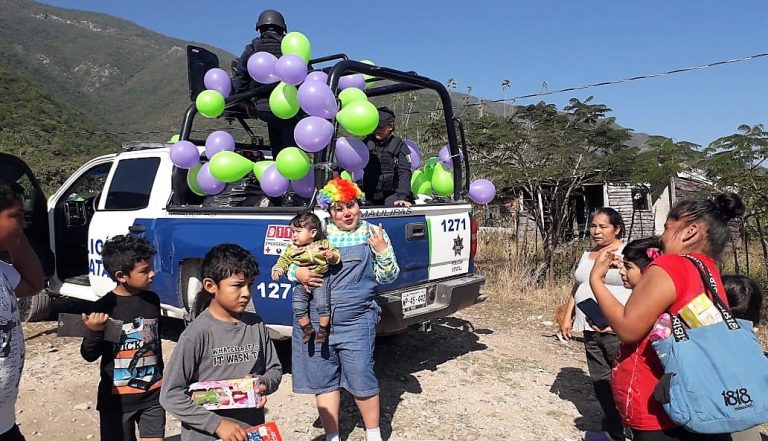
x=345, y=361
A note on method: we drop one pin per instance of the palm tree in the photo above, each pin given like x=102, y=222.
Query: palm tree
x=504, y=87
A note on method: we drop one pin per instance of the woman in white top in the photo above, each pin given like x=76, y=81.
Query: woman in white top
x=605, y=228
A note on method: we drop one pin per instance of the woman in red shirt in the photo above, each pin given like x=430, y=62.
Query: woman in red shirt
x=696, y=227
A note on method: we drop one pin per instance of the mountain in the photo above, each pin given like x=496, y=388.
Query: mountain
x=115, y=76
x=30, y=127
x=121, y=76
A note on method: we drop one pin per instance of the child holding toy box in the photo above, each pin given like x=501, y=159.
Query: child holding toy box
x=223, y=343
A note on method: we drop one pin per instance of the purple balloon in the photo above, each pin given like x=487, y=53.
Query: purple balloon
x=356, y=174
x=218, y=80
x=445, y=157
x=316, y=98
x=273, y=183
x=317, y=75
x=313, y=133
x=184, y=154
x=415, y=153
x=354, y=80
x=218, y=141
x=292, y=69
x=351, y=153
x=305, y=186
x=207, y=182
x=481, y=191
x=261, y=67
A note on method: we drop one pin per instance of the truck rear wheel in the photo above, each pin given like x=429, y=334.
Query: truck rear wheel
x=36, y=308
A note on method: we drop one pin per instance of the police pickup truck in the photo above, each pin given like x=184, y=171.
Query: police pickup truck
x=140, y=191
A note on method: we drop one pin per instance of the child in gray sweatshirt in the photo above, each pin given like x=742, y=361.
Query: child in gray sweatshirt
x=224, y=342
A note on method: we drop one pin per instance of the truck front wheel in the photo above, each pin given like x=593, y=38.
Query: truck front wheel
x=36, y=308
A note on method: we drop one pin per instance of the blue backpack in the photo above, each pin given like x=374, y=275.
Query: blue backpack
x=715, y=377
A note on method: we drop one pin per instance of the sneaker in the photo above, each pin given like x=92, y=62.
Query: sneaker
x=596, y=436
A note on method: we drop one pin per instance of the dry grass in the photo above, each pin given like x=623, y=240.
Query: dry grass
x=512, y=274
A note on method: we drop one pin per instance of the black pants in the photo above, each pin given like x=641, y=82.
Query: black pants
x=601, y=349
x=280, y=130
x=12, y=435
x=678, y=434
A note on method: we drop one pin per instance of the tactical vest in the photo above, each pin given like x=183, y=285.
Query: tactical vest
x=381, y=172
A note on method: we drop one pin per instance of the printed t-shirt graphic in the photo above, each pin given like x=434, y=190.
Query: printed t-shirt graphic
x=136, y=358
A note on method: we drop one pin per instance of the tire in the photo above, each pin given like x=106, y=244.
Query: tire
x=36, y=308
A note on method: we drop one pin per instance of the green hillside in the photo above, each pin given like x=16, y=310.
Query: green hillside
x=121, y=76
x=52, y=139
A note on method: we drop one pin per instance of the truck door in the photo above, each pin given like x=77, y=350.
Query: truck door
x=130, y=193
x=14, y=171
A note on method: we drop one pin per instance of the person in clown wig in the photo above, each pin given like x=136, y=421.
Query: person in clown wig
x=345, y=360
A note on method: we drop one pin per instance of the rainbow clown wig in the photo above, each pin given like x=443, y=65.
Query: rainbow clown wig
x=338, y=190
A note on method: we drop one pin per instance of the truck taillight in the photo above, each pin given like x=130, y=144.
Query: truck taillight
x=473, y=240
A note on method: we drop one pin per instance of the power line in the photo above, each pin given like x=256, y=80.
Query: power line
x=624, y=80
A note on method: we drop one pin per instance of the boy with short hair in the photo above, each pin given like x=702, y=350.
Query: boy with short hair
x=23, y=278
x=224, y=342
x=132, y=370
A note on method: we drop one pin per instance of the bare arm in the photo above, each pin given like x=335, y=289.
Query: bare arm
x=566, y=321
x=25, y=261
x=653, y=295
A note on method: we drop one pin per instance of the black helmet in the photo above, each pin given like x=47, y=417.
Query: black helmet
x=273, y=18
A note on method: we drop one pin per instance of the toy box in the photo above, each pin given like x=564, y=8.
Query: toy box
x=226, y=394
x=264, y=432
x=700, y=312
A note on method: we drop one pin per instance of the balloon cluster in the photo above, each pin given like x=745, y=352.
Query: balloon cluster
x=435, y=177
x=296, y=89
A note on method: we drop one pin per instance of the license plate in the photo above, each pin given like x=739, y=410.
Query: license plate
x=414, y=299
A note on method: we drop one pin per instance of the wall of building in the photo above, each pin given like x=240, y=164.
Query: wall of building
x=639, y=223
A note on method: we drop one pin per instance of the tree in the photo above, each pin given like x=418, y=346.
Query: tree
x=547, y=154
x=738, y=162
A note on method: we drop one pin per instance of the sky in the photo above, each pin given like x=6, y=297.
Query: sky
x=481, y=43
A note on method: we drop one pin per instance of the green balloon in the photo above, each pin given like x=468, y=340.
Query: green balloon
x=210, y=103
x=429, y=167
x=174, y=138
x=284, y=101
x=351, y=94
x=229, y=166
x=260, y=167
x=292, y=163
x=296, y=43
x=192, y=180
x=347, y=175
x=359, y=118
x=416, y=173
x=442, y=181
x=421, y=185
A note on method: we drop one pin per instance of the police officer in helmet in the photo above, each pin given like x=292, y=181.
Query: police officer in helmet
x=387, y=176
x=271, y=26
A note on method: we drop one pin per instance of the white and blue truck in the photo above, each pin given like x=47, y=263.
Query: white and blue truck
x=140, y=191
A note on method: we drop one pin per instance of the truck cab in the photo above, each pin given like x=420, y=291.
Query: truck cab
x=140, y=191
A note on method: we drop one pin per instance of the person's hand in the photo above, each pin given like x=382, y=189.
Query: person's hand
x=307, y=277
x=229, y=430
x=376, y=238
x=401, y=203
x=95, y=321
x=275, y=275
x=603, y=262
x=331, y=257
x=262, y=391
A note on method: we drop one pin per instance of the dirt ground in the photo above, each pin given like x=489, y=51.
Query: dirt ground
x=482, y=374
